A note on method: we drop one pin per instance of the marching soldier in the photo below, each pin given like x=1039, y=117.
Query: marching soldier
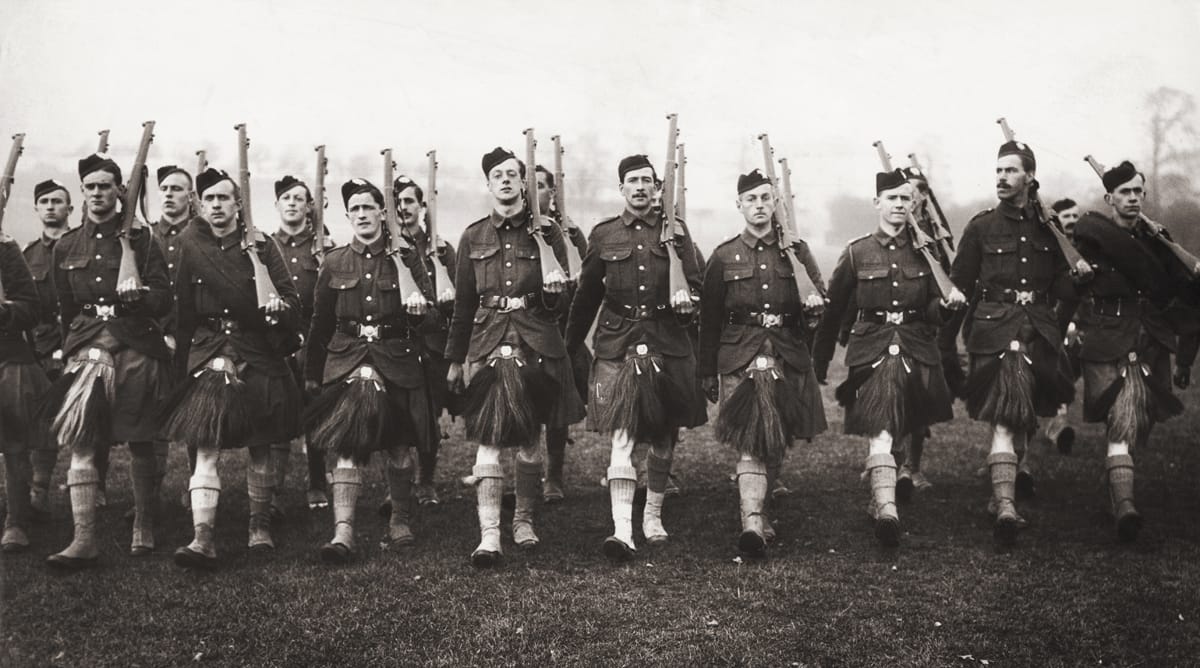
x=296, y=239
x=505, y=333
x=1126, y=352
x=1012, y=266
x=239, y=391
x=643, y=382
x=753, y=356
x=557, y=438
x=1068, y=214
x=52, y=202
x=895, y=386
x=22, y=383
x=364, y=360
x=1059, y=430
x=118, y=364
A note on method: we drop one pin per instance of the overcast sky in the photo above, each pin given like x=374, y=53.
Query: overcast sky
x=824, y=78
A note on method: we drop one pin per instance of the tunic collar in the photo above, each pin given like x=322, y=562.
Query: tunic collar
x=377, y=247
x=885, y=239
x=770, y=239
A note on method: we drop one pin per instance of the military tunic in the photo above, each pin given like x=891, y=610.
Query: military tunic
x=46, y=334
x=898, y=313
x=436, y=327
x=626, y=280
x=499, y=261
x=359, y=319
x=167, y=236
x=219, y=315
x=22, y=381
x=87, y=260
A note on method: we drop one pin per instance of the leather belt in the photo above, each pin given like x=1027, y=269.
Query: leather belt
x=507, y=304
x=768, y=320
x=646, y=312
x=891, y=317
x=1009, y=296
x=104, y=311
x=373, y=331
x=221, y=324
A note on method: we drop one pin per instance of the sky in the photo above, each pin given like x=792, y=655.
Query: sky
x=824, y=79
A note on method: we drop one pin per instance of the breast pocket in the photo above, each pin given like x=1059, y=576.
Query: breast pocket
x=1041, y=260
x=79, y=275
x=346, y=288
x=914, y=289
x=390, y=301
x=999, y=255
x=874, y=288
x=619, y=272
x=485, y=261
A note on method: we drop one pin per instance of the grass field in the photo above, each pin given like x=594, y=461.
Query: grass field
x=1068, y=594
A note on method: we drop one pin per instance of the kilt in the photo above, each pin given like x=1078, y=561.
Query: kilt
x=568, y=408
x=1051, y=376
x=900, y=395
x=1101, y=390
x=355, y=416
x=680, y=370
x=799, y=397
x=276, y=402
x=21, y=386
x=440, y=396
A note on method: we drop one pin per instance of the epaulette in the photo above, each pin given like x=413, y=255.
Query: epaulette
x=981, y=213
x=856, y=240
x=606, y=221
x=29, y=245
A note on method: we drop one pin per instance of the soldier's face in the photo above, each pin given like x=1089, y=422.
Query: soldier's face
x=408, y=206
x=100, y=190
x=544, y=191
x=293, y=205
x=365, y=216
x=757, y=206
x=219, y=205
x=1126, y=199
x=1012, y=181
x=894, y=205
x=53, y=208
x=638, y=188
x=176, y=193
x=1068, y=218
x=504, y=181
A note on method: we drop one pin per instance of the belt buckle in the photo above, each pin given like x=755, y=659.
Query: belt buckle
x=106, y=311
x=369, y=332
x=510, y=304
x=894, y=317
x=772, y=320
x=1024, y=297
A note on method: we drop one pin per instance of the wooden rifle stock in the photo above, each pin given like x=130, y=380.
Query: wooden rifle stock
x=1079, y=266
x=396, y=241
x=201, y=161
x=134, y=190
x=201, y=165
x=10, y=170
x=1189, y=261
x=264, y=287
x=941, y=227
x=785, y=226
x=318, y=210
x=574, y=262
x=921, y=241
x=102, y=144
x=681, y=183
x=546, y=254
x=677, y=279
x=443, y=287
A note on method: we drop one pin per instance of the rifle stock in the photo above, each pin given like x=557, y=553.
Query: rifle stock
x=264, y=287
x=677, y=279
x=681, y=185
x=941, y=229
x=10, y=170
x=574, y=262
x=318, y=210
x=443, y=287
x=134, y=189
x=102, y=144
x=785, y=227
x=1190, y=263
x=921, y=241
x=396, y=242
x=1079, y=266
x=549, y=262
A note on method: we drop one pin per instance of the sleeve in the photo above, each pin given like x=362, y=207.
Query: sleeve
x=282, y=280
x=557, y=303
x=712, y=316
x=185, y=310
x=158, y=300
x=841, y=292
x=321, y=330
x=588, y=296
x=577, y=238
x=691, y=261
x=1188, y=345
x=20, y=292
x=67, y=307
x=466, y=300
x=964, y=272
x=804, y=254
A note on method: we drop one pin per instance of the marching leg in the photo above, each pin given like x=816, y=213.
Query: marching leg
x=529, y=488
x=17, y=474
x=315, y=496
x=658, y=474
x=773, y=484
x=881, y=468
x=556, y=448
x=83, y=481
x=622, y=483
x=1120, y=490
x=427, y=462
x=205, y=491
x=490, y=487
x=346, y=485
x=260, y=488
x=43, y=461
x=400, y=482
x=752, y=491
x=143, y=469
x=1002, y=463
x=280, y=455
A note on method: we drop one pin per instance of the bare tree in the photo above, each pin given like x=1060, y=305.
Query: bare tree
x=1173, y=141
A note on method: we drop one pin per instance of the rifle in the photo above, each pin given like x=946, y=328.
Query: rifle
x=10, y=170
x=677, y=279
x=941, y=227
x=442, y=285
x=549, y=261
x=318, y=210
x=201, y=165
x=681, y=185
x=574, y=262
x=102, y=145
x=1079, y=266
x=785, y=223
x=134, y=192
x=396, y=242
x=921, y=241
x=264, y=287
x=1190, y=262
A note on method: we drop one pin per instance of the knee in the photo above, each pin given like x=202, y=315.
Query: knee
x=662, y=450
x=487, y=455
x=529, y=454
x=400, y=457
x=206, y=461
x=260, y=458
x=83, y=459
x=881, y=444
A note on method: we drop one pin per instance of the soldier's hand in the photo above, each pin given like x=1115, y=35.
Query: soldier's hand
x=682, y=302
x=711, y=387
x=416, y=304
x=312, y=388
x=170, y=341
x=554, y=283
x=57, y=355
x=955, y=301
x=274, y=305
x=128, y=290
x=454, y=377
x=821, y=370
x=446, y=295
x=1083, y=271
x=1183, y=376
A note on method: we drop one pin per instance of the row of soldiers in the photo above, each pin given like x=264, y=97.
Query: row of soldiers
x=362, y=351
